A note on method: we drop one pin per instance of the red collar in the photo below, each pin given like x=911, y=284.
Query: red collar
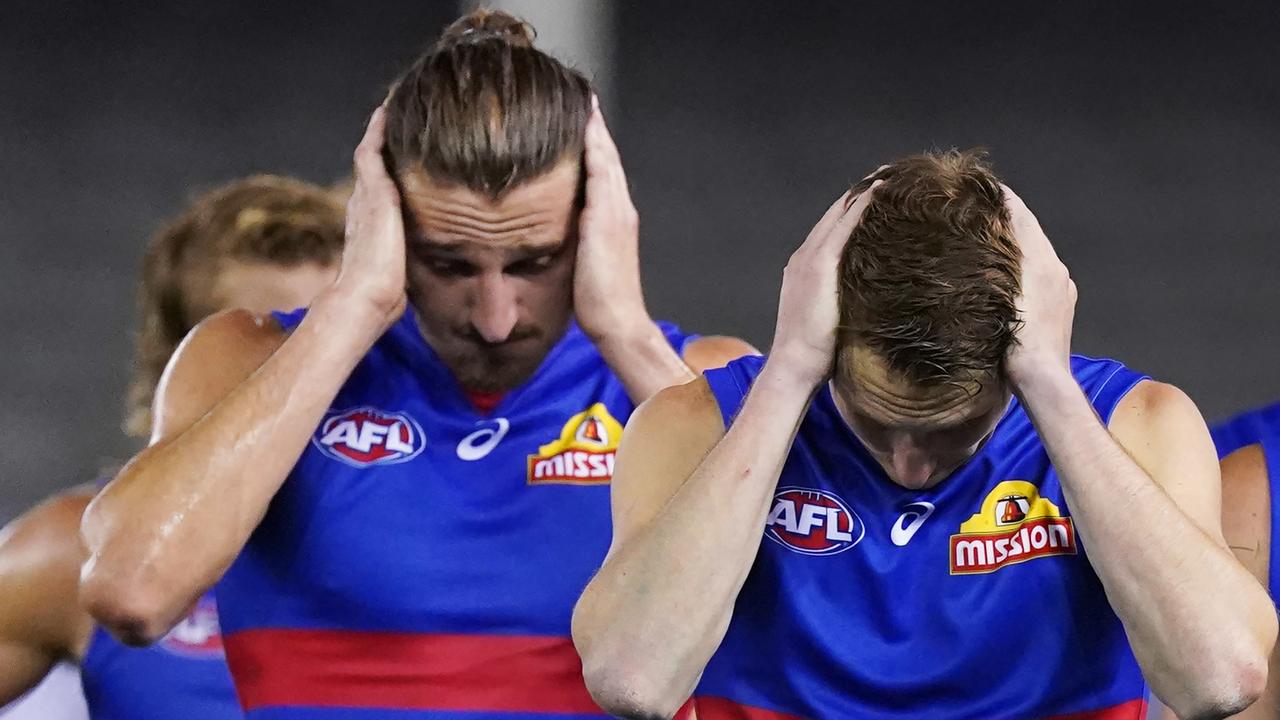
x=483, y=400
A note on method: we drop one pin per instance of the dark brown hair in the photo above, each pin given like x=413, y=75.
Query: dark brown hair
x=930, y=277
x=263, y=218
x=485, y=109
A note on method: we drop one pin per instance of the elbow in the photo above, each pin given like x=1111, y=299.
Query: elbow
x=111, y=588
x=623, y=683
x=132, y=612
x=624, y=692
x=1229, y=688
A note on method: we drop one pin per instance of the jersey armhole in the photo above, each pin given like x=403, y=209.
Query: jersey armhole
x=1111, y=391
x=729, y=385
x=1271, y=455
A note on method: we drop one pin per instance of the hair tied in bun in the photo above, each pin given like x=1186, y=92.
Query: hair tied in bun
x=485, y=25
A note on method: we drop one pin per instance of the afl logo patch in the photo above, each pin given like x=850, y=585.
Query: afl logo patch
x=366, y=436
x=198, y=635
x=812, y=522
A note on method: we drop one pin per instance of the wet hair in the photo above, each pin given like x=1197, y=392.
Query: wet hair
x=264, y=218
x=486, y=110
x=929, y=279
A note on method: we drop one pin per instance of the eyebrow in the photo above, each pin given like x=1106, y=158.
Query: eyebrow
x=523, y=247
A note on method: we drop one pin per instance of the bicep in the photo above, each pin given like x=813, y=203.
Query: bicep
x=214, y=358
x=663, y=444
x=1163, y=431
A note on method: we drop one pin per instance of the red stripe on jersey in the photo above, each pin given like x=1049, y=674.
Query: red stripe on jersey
x=714, y=708
x=1132, y=710
x=336, y=668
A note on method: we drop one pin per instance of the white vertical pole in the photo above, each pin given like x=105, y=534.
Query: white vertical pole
x=577, y=32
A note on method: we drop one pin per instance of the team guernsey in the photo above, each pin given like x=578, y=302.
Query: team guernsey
x=1262, y=427
x=422, y=559
x=184, y=675
x=971, y=599
x=1246, y=429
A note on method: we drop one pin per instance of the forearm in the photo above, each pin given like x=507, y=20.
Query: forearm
x=644, y=360
x=660, y=605
x=1187, y=605
x=176, y=516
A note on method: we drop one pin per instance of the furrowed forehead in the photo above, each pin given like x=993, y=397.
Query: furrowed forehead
x=885, y=397
x=539, y=213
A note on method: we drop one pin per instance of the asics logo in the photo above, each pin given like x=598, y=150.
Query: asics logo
x=482, y=442
x=912, y=517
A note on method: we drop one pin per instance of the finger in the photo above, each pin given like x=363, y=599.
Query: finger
x=830, y=217
x=875, y=172
x=368, y=155
x=605, y=175
x=1031, y=238
x=602, y=152
x=1019, y=212
x=844, y=226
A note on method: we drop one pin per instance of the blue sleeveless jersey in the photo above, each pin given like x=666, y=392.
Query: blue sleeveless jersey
x=971, y=599
x=1262, y=427
x=1246, y=428
x=425, y=559
x=184, y=675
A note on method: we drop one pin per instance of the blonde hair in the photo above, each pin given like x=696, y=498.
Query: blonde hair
x=264, y=218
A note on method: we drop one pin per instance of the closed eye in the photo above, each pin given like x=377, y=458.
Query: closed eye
x=533, y=265
x=449, y=267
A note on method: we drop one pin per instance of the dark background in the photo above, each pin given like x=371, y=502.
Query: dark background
x=1143, y=134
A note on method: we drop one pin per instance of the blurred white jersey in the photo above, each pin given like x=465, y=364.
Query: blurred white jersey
x=59, y=697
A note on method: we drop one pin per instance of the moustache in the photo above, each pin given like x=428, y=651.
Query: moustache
x=473, y=336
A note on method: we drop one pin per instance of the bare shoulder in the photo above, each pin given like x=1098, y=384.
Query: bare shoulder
x=40, y=557
x=713, y=351
x=1151, y=401
x=1246, y=508
x=215, y=357
x=1162, y=430
x=664, y=442
x=49, y=528
x=1156, y=417
x=677, y=411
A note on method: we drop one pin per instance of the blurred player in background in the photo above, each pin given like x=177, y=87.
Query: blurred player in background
x=928, y=465
x=1246, y=428
x=262, y=243
x=1250, y=446
x=407, y=492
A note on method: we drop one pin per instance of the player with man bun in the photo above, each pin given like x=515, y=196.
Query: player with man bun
x=408, y=485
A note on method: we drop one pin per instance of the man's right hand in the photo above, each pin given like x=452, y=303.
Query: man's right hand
x=372, y=277
x=804, y=341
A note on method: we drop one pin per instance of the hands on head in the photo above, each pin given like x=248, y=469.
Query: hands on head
x=809, y=312
x=1046, y=306
x=607, y=296
x=608, y=299
x=373, y=261
x=804, y=340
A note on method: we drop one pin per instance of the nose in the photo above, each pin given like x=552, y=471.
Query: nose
x=494, y=308
x=912, y=464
